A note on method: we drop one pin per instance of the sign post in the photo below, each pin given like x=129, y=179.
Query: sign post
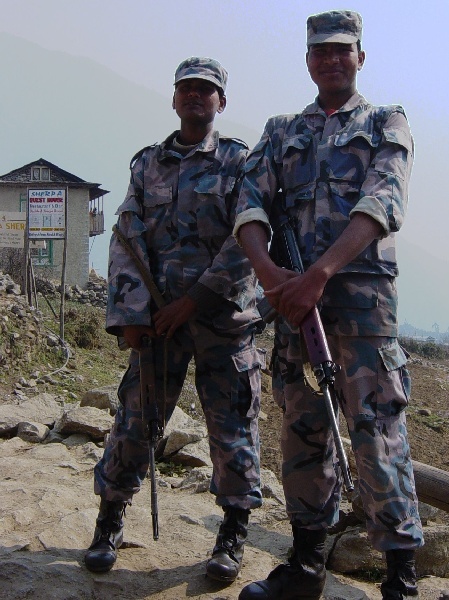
x=46, y=214
x=12, y=235
x=47, y=220
x=12, y=229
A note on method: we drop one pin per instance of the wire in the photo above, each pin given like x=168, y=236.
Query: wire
x=67, y=350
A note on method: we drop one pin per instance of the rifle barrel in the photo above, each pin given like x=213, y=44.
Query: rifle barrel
x=341, y=454
x=150, y=418
x=154, y=510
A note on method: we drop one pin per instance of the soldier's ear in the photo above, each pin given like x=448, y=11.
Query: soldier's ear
x=361, y=60
x=173, y=101
x=222, y=105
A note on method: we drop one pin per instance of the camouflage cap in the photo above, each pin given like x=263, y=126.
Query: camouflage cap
x=197, y=67
x=339, y=26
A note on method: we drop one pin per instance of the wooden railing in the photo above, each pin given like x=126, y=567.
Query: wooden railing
x=96, y=223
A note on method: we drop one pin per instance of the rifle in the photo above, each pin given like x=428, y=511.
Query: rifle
x=151, y=419
x=320, y=373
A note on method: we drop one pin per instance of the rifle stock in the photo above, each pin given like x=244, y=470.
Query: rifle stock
x=285, y=253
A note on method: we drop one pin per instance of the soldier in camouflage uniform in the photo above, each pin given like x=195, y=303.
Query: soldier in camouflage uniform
x=342, y=166
x=178, y=217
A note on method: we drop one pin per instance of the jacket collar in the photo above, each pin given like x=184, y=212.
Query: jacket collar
x=354, y=102
x=209, y=144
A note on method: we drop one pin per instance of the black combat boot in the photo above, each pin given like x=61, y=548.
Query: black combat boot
x=304, y=575
x=108, y=536
x=228, y=551
x=401, y=575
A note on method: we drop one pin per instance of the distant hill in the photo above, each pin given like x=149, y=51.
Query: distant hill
x=82, y=117
x=90, y=121
x=423, y=286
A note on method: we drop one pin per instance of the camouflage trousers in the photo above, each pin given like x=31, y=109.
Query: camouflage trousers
x=372, y=389
x=227, y=379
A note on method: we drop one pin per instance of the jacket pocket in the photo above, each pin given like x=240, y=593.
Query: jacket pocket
x=352, y=154
x=248, y=364
x=293, y=197
x=357, y=135
x=212, y=212
x=394, y=382
x=298, y=161
x=159, y=213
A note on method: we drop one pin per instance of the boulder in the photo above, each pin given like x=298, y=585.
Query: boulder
x=103, y=398
x=42, y=408
x=32, y=432
x=85, y=419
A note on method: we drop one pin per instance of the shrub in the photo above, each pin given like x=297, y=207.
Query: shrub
x=83, y=327
x=426, y=349
x=11, y=262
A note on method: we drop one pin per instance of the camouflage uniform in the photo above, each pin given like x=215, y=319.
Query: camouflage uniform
x=178, y=214
x=358, y=159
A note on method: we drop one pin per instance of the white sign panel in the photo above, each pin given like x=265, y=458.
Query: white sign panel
x=46, y=211
x=12, y=229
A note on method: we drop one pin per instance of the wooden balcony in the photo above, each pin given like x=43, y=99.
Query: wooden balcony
x=96, y=223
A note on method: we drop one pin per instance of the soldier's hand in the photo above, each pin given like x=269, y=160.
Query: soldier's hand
x=173, y=315
x=133, y=335
x=275, y=285
x=297, y=296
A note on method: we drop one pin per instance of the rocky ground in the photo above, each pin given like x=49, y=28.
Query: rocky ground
x=49, y=509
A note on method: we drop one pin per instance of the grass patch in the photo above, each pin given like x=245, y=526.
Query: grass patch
x=94, y=357
x=82, y=326
x=432, y=421
x=169, y=469
x=370, y=575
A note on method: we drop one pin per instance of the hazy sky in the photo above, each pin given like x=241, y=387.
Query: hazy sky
x=262, y=44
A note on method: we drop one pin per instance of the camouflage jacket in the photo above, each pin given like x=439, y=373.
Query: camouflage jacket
x=358, y=159
x=178, y=215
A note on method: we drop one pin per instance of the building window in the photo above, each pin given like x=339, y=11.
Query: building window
x=42, y=253
x=23, y=202
x=40, y=174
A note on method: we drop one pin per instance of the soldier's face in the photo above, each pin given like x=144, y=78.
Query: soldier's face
x=197, y=100
x=333, y=67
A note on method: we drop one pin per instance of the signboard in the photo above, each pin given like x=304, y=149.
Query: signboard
x=46, y=213
x=12, y=229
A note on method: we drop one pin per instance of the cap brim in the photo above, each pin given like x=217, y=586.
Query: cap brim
x=196, y=76
x=336, y=38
